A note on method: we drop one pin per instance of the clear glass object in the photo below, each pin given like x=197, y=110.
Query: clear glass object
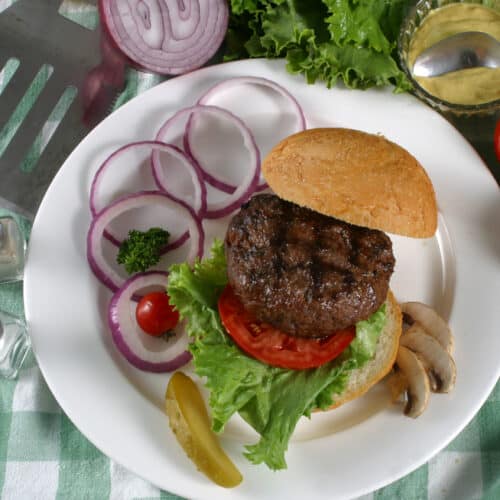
x=14, y=345
x=12, y=250
x=14, y=340
x=411, y=23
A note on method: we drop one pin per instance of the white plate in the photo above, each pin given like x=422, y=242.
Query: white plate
x=346, y=453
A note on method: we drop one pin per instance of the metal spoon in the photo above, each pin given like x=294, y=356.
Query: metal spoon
x=470, y=49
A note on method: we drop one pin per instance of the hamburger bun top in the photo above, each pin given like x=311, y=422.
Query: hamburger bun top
x=361, y=178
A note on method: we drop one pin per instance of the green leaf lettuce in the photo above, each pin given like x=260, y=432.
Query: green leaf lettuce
x=270, y=399
x=351, y=40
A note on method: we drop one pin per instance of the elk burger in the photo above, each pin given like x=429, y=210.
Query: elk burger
x=293, y=312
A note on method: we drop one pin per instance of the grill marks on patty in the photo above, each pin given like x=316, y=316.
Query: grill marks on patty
x=303, y=272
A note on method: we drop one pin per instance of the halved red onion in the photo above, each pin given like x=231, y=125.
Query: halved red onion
x=249, y=183
x=145, y=352
x=166, y=37
x=215, y=90
x=100, y=267
x=159, y=175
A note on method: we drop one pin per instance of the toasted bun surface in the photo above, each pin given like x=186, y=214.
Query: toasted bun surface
x=374, y=370
x=354, y=176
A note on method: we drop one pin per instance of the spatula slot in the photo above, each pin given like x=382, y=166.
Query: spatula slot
x=23, y=107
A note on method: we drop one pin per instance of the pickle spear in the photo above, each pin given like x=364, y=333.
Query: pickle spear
x=188, y=419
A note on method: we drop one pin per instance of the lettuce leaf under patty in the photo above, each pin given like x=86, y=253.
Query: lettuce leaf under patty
x=270, y=399
x=351, y=40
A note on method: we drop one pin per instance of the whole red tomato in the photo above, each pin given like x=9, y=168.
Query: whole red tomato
x=155, y=315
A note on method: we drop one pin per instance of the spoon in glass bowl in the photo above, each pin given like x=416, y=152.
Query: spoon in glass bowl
x=470, y=49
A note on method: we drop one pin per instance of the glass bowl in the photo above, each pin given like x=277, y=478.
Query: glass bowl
x=413, y=20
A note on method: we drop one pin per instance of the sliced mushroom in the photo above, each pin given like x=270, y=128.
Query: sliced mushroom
x=418, y=382
x=432, y=323
x=397, y=383
x=437, y=362
x=434, y=384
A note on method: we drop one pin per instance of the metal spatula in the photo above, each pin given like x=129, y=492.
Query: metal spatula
x=49, y=57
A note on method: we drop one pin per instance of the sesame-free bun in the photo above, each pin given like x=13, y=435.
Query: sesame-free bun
x=361, y=178
x=362, y=379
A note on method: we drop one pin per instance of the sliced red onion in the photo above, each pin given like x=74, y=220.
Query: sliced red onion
x=100, y=267
x=163, y=136
x=199, y=194
x=250, y=181
x=145, y=352
x=255, y=80
x=166, y=37
x=199, y=203
x=251, y=80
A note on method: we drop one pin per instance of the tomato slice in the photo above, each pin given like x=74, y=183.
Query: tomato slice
x=155, y=315
x=274, y=347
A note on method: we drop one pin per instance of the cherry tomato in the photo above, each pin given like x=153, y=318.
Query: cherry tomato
x=274, y=347
x=155, y=315
x=496, y=140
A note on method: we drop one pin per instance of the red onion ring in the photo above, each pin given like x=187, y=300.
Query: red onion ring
x=166, y=37
x=245, y=80
x=102, y=270
x=132, y=342
x=200, y=190
x=249, y=183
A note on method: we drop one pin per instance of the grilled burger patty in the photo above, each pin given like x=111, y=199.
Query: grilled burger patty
x=303, y=272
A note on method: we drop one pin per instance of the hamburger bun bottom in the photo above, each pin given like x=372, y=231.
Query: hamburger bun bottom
x=362, y=379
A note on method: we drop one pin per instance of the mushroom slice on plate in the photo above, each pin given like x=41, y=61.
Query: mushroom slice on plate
x=418, y=382
x=432, y=323
x=397, y=384
x=437, y=362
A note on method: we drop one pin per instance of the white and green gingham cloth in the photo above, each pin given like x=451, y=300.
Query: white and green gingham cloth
x=43, y=456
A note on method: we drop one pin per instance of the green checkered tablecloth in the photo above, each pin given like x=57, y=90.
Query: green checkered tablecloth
x=44, y=456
